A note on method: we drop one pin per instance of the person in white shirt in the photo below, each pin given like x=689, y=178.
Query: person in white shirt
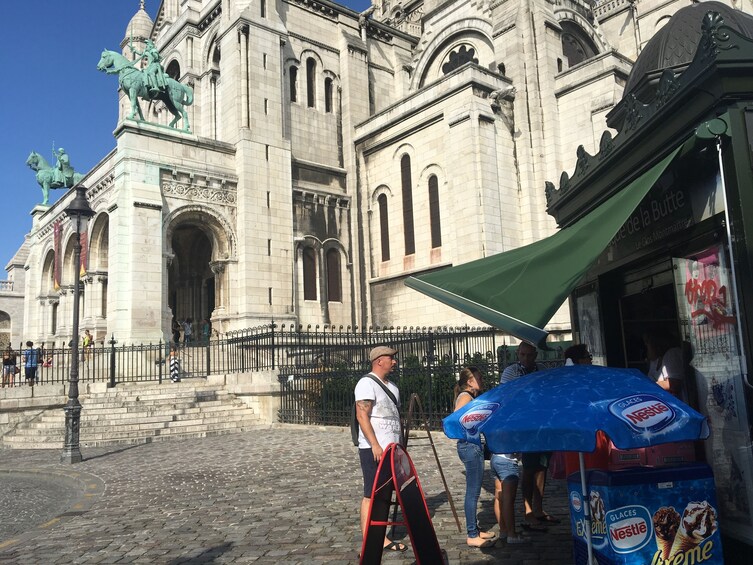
x=379, y=425
x=666, y=364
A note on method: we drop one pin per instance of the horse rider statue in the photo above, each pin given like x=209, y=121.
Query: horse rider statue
x=59, y=175
x=155, y=74
x=63, y=166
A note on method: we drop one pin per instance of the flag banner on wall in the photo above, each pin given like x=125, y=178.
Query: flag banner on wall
x=57, y=232
x=84, y=254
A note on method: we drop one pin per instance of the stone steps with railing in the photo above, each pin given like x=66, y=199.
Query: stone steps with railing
x=140, y=414
x=145, y=405
x=136, y=414
x=52, y=421
x=93, y=430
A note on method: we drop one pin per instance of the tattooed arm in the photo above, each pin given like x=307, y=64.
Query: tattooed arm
x=363, y=414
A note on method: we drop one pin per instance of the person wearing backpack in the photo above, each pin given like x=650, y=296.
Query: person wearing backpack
x=378, y=415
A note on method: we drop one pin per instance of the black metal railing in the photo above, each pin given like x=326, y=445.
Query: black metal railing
x=317, y=367
x=317, y=385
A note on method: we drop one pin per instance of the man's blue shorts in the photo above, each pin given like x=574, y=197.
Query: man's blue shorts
x=369, y=469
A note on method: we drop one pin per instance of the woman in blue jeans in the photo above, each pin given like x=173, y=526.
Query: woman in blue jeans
x=472, y=456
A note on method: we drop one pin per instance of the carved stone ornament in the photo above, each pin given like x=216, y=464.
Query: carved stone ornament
x=218, y=267
x=199, y=193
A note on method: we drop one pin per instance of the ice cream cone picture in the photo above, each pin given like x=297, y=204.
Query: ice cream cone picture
x=698, y=523
x=596, y=503
x=666, y=522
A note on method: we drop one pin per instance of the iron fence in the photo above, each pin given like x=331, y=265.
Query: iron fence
x=317, y=385
x=317, y=367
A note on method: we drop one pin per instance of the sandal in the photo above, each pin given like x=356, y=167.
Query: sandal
x=480, y=542
x=395, y=546
x=487, y=535
x=548, y=518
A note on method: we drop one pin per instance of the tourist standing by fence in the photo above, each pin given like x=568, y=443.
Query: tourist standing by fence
x=9, y=367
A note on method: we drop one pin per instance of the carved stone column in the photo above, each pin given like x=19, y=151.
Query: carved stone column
x=88, y=312
x=218, y=268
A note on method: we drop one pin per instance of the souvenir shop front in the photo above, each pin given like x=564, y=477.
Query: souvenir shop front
x=681, y=266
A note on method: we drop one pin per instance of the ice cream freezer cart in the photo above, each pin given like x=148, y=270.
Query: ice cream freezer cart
x=647, y=516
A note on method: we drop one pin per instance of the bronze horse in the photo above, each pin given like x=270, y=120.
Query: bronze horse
x=175, y=95
x=49, y=177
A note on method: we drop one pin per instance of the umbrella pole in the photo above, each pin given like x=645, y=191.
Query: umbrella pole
x=586, y=507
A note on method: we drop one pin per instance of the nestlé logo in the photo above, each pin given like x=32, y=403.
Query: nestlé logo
x=575, y=501
x=629, y=528
x=472, y=419
x=643, y=412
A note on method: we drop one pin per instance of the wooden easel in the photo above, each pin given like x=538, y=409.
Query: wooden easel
x=415, y=406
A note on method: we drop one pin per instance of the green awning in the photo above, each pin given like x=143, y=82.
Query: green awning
x=519, y=291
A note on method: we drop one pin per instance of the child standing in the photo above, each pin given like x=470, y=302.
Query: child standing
x=174, y=366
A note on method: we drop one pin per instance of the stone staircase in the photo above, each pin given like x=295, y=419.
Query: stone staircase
x=140, y=413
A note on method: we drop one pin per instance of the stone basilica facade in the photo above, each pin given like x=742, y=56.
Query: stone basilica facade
x=331, y=155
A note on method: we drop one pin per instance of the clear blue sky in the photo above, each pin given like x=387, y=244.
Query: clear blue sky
x=52, y=92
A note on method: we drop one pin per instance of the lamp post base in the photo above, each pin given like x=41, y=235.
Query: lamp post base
x=71, y=450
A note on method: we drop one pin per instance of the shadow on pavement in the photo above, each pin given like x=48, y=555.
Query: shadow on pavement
x=209, y=556
x=113, y=452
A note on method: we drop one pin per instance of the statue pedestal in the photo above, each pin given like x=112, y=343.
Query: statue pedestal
x=36, y=214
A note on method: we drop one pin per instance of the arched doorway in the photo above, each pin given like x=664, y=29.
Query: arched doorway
x=191, y=283
x=5, y=328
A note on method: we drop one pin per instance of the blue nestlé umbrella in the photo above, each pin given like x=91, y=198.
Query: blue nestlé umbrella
x=562, y=409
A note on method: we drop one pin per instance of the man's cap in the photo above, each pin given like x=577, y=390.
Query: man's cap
x=381, y=350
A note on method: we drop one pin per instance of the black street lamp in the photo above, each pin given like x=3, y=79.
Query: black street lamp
x=79, y=213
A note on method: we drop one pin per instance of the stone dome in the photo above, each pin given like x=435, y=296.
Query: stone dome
x=675, y=44
x=140, y=25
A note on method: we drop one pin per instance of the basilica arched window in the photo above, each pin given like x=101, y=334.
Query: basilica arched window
x=173, y=70
x=214, y=90
x=405, y=175
x=310, y=82
x=328, y=95
x=309, y=273
x=334, y=284
x=459, y=57
x=384, y=227
x=4, y=330
x=434, y=221
x=576, y=45
x=293, y=76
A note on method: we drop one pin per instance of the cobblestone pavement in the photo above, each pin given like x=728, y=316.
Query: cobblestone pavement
x=289, y=494
x=30, y=499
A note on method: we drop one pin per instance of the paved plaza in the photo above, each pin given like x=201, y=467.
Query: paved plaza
x=286, y=494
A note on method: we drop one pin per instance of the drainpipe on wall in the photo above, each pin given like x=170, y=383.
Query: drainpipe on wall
x=362, y=18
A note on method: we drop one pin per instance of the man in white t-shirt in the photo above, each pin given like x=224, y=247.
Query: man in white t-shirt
x=666, y=364
x=379, y=425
